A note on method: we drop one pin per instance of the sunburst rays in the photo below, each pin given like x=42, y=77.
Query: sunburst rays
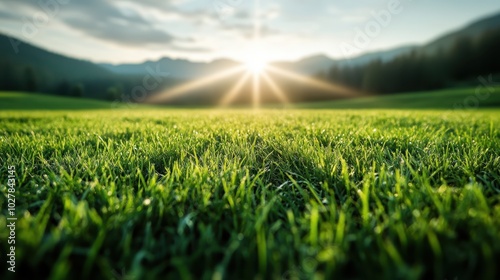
x=196, y=84
x=278, y=92
x=256, y=90
x=233, y=92
x=257, y=80
x=334, y=89
x=257, y=70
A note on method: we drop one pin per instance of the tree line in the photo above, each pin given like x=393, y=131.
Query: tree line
x=466, y=59
x=15, y=77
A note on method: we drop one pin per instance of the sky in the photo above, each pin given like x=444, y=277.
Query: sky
x=127, y=31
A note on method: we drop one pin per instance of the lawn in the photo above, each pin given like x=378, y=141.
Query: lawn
x=253, y=194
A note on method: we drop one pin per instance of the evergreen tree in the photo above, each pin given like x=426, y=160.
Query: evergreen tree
x=77, y=90
x=30, y=79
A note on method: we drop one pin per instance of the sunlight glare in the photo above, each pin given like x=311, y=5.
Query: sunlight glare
x=278, y=92
x=233, y=92
x=196, y=84
x=338, y=90
x=256, y=63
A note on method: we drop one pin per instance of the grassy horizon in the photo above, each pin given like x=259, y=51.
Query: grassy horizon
x=459, y=98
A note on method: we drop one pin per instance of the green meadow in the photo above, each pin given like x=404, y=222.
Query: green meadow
x=299, y=193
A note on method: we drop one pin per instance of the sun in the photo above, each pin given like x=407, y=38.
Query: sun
x=255, y=63
x=256, y=66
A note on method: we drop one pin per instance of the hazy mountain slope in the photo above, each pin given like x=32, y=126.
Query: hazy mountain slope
x=319, y=63
x=176, y=68
x=472, y=31
x=52, y=65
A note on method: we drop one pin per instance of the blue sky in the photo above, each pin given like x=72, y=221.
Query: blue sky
x=132, y=31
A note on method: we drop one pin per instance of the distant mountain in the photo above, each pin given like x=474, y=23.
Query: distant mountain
x=383, y=56
x=471, y=31
x=320, y=63
x=52, y=65
x=309, y=65
x=185, y=69
x=176, y=68
x=24, y=67
x=27, y=67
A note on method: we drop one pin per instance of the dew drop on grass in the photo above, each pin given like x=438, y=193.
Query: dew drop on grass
x=146, y=201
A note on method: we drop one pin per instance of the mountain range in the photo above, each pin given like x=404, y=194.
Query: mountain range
x=316, y=63
x=55, y=66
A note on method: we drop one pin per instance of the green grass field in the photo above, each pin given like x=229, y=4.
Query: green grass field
x=242, y=194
